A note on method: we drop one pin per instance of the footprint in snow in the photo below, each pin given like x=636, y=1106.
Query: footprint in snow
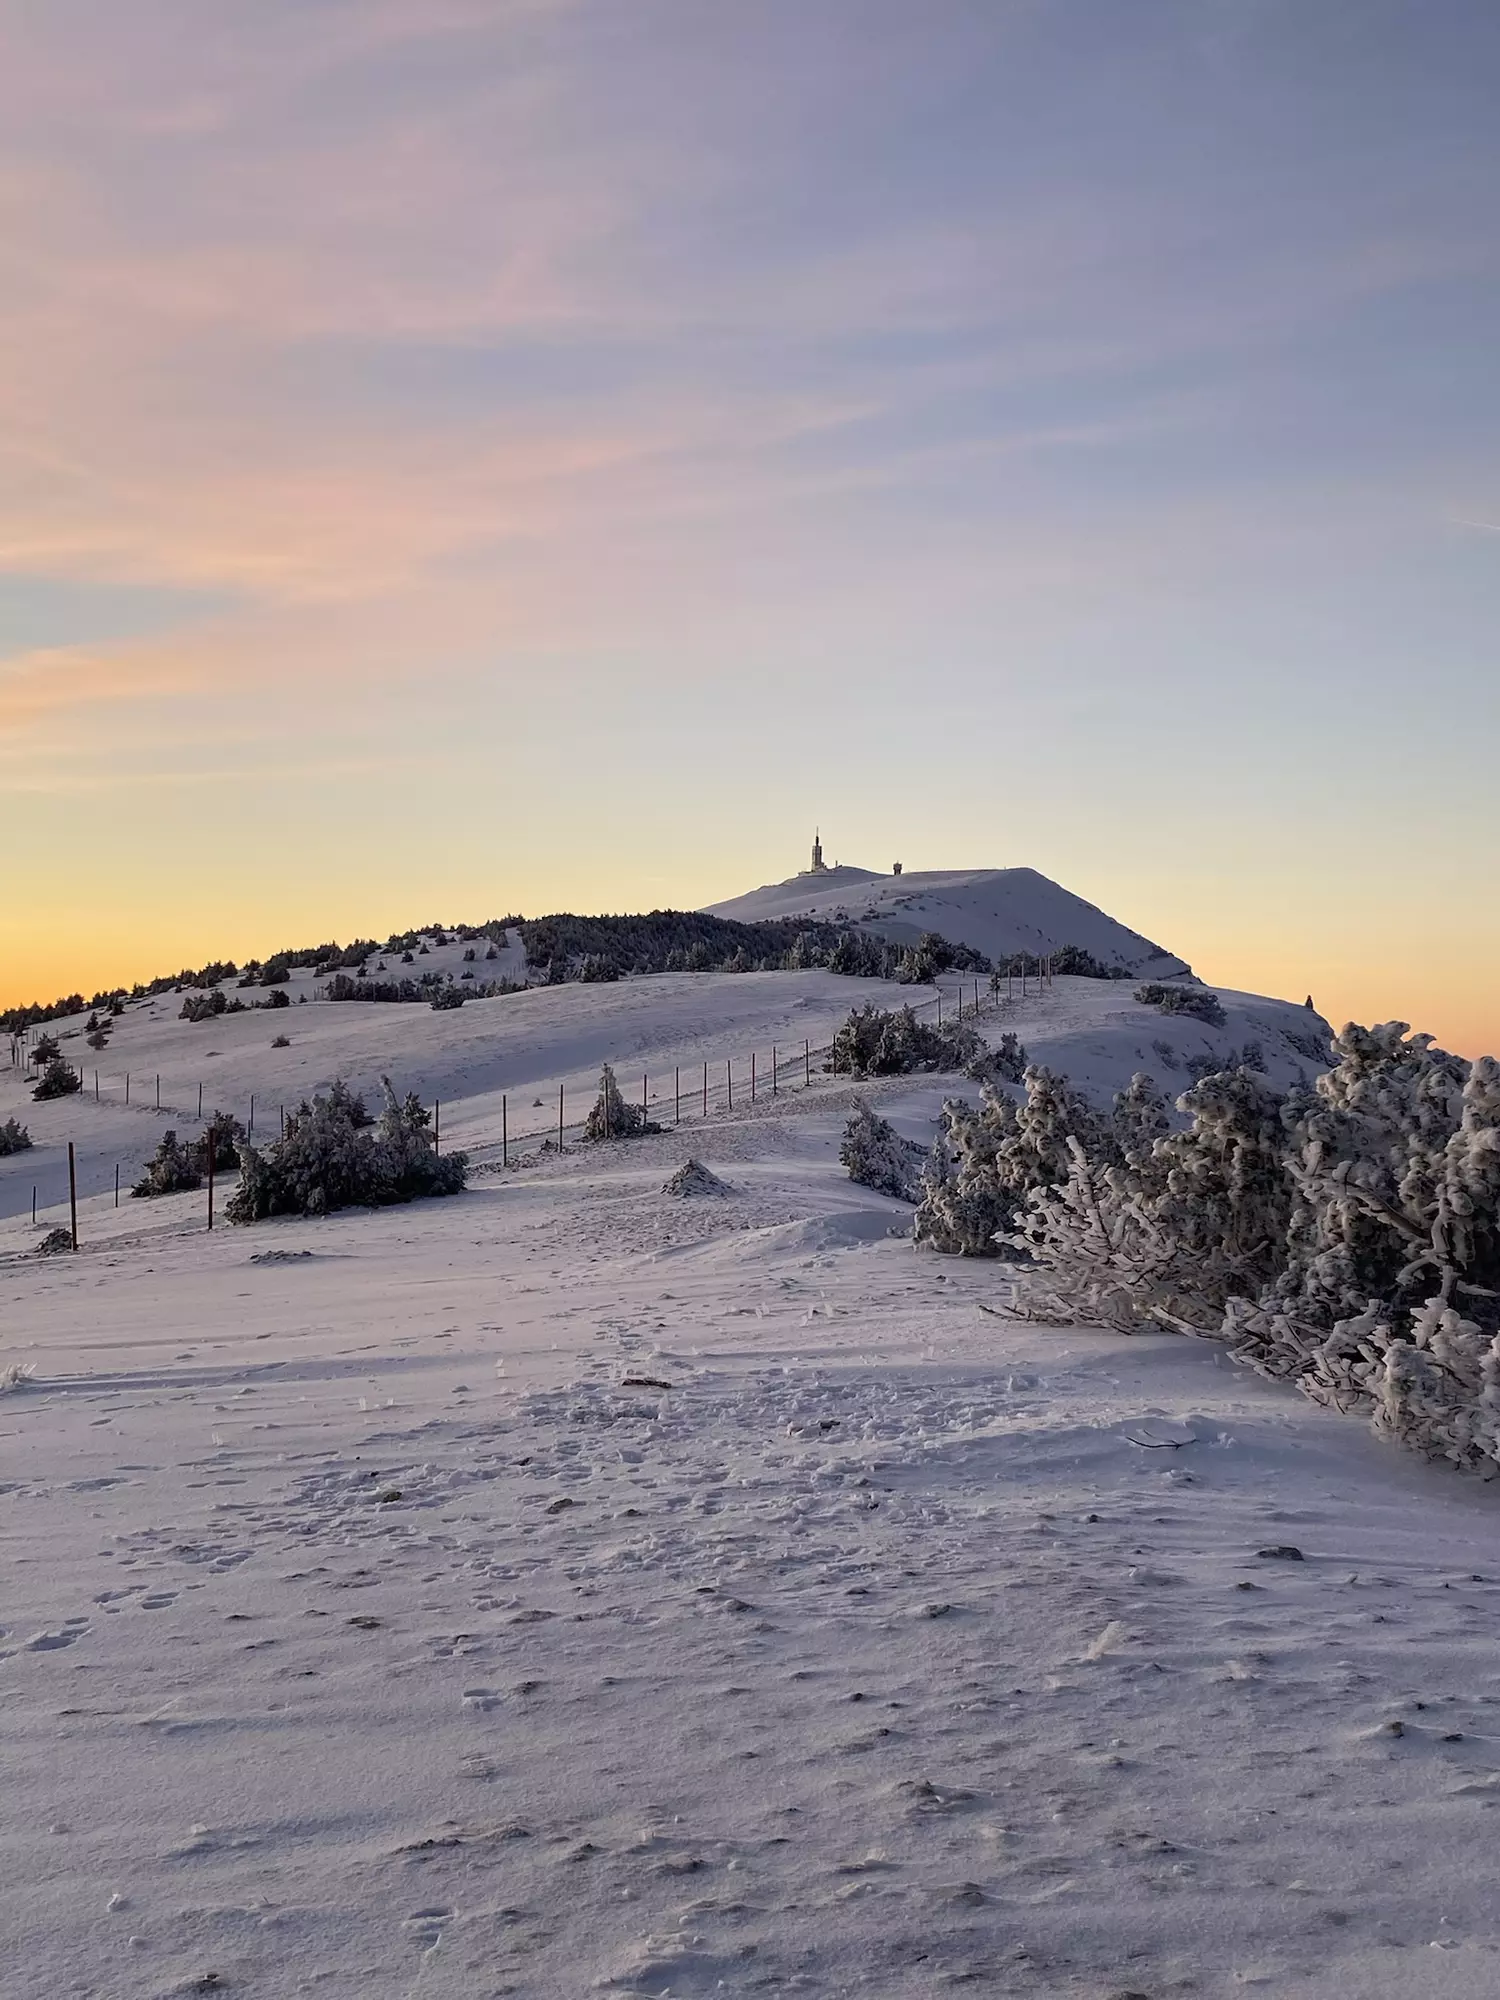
x=53, y=1641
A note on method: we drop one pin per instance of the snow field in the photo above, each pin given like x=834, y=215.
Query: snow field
x=573, y=1588
x=524, y=1045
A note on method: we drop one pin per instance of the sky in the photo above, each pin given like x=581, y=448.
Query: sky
x=471, y=456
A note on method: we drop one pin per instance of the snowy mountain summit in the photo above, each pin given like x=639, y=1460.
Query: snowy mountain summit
x=999, y=911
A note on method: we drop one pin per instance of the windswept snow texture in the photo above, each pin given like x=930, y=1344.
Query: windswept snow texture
x=567, y=1589
x=998, y=911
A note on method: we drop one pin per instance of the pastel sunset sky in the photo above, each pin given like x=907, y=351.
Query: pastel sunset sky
x=461, y=456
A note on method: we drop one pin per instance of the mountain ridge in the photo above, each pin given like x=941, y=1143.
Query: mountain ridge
x=999, y=911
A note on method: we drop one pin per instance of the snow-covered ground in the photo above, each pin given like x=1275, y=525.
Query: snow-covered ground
x=569, y=1588
x=523, y=1046
x=998, y=911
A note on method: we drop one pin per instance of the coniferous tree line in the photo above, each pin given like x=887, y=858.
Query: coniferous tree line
x=567, y=947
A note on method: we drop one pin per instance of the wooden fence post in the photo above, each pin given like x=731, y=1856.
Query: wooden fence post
x=158, y=1091
x=752, y=1076
x=705, y=1090
x=250, y=1128
x=773, y=1069
x=127, y=1086
x=504, y=1132
x=644, y=1108
x=677, y=1095
x=72, y=1197
x=807, y=1063
x=117, y=1183
x=212, y=1149
x=200, y=1104
x=729, y=1079
x=559, y=1118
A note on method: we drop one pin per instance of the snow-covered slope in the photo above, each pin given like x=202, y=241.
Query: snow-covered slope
x=568, y=1589
x=998, y=911
x=525, y=1045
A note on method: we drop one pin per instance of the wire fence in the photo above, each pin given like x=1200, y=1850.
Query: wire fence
x=700, y=1092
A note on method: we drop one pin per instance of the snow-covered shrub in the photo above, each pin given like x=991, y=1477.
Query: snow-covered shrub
x=203, y=1006
x=875, y=1041
x=224, y=1135
x=921, y=963
x=54, y=1243
x=878, y=1157
x=985, y=1164
x=173, y=1169
x=1006, y=1063
x=612, y=1117
x=1345, y=1238
x=14, y=1138
x=328, y=1160
x=1175, y=1229
x=1072, y=961
x=277, y=999
x=281, y=1041
x=443, y=999
x=58, y=1079
x=1140, y=1116
x=1166, y=1055
x=350, y=1104
x=692, y=1179
x=45, y=1049
x=1174, y=999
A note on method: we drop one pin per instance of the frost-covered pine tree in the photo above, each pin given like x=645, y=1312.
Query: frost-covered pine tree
x=1140, y=1116
x=14, y=1138
x=172, y=1169
x=987, y=1162
x=1172, y=1230
x=612, y=1117
x=1345, y=1238
x=328, y=1158
x=878, y=1157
